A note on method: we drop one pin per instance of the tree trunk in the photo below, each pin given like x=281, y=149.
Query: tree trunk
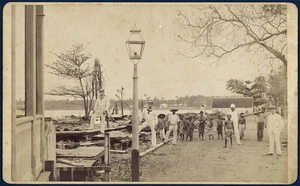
x=84, y=99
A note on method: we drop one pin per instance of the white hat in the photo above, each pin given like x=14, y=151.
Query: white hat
x=232, y=105
x=150, y=101
x=272, y=107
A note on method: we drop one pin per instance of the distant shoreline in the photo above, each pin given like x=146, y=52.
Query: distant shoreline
x=156, y=108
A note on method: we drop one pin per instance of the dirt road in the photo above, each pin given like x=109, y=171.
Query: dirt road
x=207, y=161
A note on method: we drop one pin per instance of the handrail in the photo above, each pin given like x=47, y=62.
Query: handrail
x=23, y=120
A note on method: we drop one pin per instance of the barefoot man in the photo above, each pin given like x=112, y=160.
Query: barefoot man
x=235, y=118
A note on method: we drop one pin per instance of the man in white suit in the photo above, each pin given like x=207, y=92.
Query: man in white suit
x=274, y=126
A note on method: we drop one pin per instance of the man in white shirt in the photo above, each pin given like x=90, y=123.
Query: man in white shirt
x=235, y=119
x=173, y=120
x=150, y=117
x=274, y=126
x=101, y=108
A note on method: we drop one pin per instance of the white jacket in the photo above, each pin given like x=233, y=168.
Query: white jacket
x=275, y=123
x=149, y=116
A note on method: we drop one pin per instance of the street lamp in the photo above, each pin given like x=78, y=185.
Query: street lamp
x=135, y=47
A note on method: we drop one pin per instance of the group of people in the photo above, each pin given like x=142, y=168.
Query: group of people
x=234, y=124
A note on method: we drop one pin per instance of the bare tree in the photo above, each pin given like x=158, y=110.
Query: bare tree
x=213, y=31
x=97, y=78
x=72, y=65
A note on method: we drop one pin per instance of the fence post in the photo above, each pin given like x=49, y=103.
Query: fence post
x=107, y=155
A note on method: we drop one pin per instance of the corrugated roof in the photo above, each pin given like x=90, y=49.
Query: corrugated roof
x=240, y=102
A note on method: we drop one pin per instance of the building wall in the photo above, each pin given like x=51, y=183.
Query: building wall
x=28, y=149
x=27, y=130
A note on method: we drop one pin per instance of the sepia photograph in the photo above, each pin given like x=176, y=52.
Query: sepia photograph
x=189, y=93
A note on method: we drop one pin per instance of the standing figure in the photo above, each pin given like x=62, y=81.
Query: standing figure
x=275, y=126
x=189, y=128
x=115, y=109
x=173, y=120
x=228, y=129
x=182, y=129
x=201, y=124
x=262, y=117
x=101, y=108
x=220, y=127
x=235, y=118
x=150, y=119
x=242, y=125
x=210, y=129
x=161, y=125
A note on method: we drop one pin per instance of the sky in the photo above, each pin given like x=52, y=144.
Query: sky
x=162, y=71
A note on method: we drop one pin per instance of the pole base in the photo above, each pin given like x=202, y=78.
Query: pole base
x=135, y=165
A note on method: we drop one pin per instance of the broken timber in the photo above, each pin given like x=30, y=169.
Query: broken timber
x=83, y=169
x=82, y=134
x=153, y=148
x=81, y=152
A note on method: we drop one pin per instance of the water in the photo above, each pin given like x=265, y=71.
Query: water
x=80, y=113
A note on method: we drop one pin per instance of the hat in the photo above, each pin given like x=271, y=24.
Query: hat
x=272, y=107
x=232, y=105
x=150, y=101
x=174, y=110
x=242, y=114
x=161, y=116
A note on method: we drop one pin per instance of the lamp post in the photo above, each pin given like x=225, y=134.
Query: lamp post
x=135, y=47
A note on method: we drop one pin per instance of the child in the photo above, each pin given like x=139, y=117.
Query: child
x=189, y=128
x=220, y=127
x=161, y=125
x=210, y=129
x=201, y=124
x=181, y=129
x=242, y=125
x=228, y=129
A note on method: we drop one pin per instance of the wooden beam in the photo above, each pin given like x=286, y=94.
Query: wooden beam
x=13, y=93
x=40, y=77
x=153, y=148
x=40, y=58
x=30, y=76
x=107, y=155
x=30, y=60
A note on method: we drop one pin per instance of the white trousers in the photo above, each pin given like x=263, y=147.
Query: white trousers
x=237, y=133
x=174, y=129
x=151, y=124
x=162, y=134
x=274, y=138
x=102, y=121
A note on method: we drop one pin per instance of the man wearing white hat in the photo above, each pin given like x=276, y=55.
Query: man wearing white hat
x=235, y=118
x=150, y=117
x=101, y=109
x=275, y=126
